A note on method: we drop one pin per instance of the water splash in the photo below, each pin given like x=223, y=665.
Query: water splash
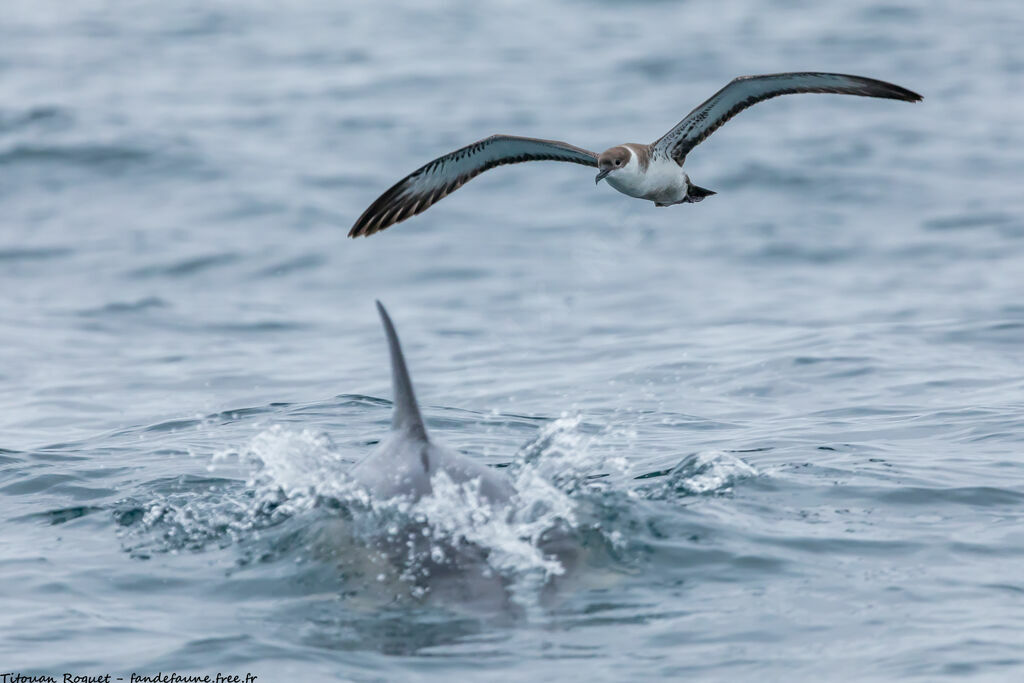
x=562, y=454
x=703, y=473
x=299, y=476
x=456, y=529
x=300, y=465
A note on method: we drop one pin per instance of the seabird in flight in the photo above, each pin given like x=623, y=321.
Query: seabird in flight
x=653, y=172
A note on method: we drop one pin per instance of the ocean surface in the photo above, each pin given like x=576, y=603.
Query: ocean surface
x=784, y=427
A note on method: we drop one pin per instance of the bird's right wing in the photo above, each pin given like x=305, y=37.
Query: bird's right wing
x=442, y=176
x=746, y=91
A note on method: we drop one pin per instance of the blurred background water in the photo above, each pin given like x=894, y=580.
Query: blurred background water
x=798, y=404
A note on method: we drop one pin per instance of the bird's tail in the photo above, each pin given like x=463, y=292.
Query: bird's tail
x=695, y=193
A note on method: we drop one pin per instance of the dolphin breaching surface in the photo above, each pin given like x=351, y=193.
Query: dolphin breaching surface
x=457, y=526
x=417, y=522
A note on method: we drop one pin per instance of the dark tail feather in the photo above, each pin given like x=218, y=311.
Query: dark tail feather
x=695, y=193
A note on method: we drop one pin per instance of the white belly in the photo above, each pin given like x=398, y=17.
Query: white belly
x=664, y=182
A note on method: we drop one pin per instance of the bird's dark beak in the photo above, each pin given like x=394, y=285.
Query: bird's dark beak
x=601, y=175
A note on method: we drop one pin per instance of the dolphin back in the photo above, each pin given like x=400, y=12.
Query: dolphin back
x=406, y=417
x=404, y=462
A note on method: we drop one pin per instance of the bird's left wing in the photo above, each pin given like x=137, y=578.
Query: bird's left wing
x=442, y=176
x=746, y=91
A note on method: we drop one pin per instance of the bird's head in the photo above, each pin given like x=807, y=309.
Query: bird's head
x=612, y=160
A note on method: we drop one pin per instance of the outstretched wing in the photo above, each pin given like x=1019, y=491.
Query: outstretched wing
x=746, y=91
x=442, y=176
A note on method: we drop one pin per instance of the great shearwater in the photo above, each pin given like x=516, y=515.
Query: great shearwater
x=653, y=172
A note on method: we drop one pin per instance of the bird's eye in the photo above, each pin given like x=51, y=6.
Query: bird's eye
x=618, y=162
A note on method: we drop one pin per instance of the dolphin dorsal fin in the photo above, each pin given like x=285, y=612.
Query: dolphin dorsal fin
x=406, y=416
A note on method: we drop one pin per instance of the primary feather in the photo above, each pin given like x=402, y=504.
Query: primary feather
x=430, y=183
x=746, y=91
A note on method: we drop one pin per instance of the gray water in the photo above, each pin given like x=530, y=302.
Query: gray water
x=789, y=420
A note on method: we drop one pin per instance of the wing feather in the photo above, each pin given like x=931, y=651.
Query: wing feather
x=746, y=91
x=432, y=182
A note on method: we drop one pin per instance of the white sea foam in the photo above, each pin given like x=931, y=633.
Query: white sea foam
x=709, y=472
x=299, y=469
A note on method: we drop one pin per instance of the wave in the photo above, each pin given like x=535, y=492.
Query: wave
x=91, y=155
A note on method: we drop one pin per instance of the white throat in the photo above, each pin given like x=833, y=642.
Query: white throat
x=628, y=179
